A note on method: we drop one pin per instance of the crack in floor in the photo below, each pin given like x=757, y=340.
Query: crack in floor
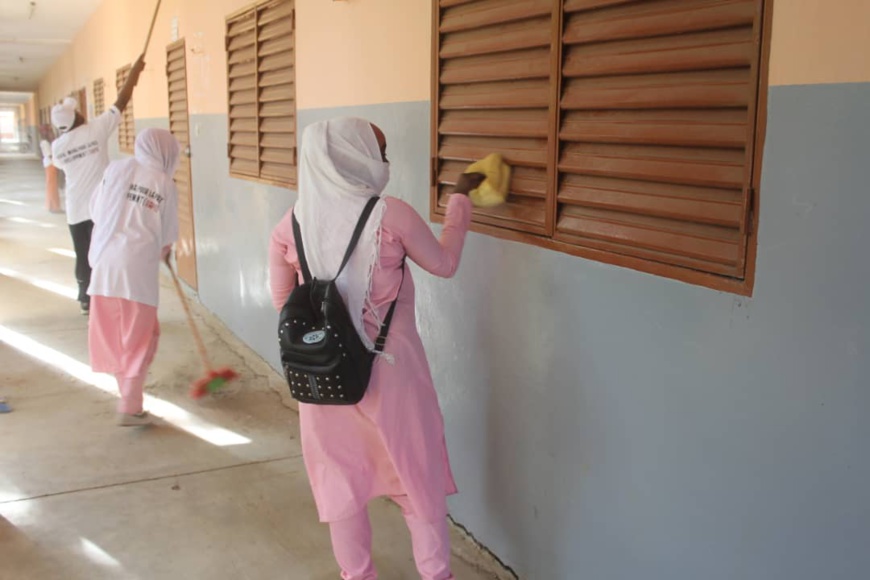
x=151, y=479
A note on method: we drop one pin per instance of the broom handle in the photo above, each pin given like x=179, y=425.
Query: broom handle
x=200, y=346
x=151, y=30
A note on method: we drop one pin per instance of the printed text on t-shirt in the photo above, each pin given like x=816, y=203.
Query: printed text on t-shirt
x=79, y=152
x=147, y=198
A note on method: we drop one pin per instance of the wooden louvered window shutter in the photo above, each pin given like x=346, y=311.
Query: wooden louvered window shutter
x=262, y=93
x=127, y=127
x=654, y=156
x=99, y=97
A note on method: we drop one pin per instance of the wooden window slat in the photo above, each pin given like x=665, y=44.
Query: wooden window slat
x=277, y=156
x=278, y=109
x=244, y=167
x=242, y=43
x=241, y=152
x=176, y=55
x=494, y=39
x=709, y=247
x=731, y=48
x=476, y=15
x=286, y=76
x=243, y=112
x=274, y=11
x=275, y=61
x=278, y=125
x=243, y=84
x=243, y=138
x=243, y=69
x=179, y=127
x=176, y=65
x=277, y=93
x=279, y=33
x=695, y=90
x=533, y=94
x=722, y=128
x=503, y=66
x=242, y=55
x=657, y=18
x=283, y=172
x=278, y=140
x=680, y=202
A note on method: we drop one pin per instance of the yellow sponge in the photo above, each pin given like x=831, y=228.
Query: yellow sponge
x=494, y=190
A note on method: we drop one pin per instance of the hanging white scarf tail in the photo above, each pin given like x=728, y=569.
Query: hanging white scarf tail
x=340, y=169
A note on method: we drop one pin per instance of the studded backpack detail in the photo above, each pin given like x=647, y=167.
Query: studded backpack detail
x=325, y=361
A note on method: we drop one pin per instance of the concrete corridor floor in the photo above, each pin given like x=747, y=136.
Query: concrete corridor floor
x=215, y=490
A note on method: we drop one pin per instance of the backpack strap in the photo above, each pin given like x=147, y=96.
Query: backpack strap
x=300, y=251
x=357, y=233
x=354, y=240
x=381, y=341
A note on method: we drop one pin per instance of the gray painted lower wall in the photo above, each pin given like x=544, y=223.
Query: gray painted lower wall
x=610, y=425
x=234, y=220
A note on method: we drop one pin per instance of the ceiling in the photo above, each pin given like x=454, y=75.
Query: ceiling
x=14, y=98
x=33, y=34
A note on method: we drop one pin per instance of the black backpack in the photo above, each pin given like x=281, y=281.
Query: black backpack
x=325, y=362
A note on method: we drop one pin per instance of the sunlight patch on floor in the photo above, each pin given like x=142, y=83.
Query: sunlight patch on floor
x=28, y=221
x=54, y=287
x=98, y=556
x=170, y=412
x=62, y=252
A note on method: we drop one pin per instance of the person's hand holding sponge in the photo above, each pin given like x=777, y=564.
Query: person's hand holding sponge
x=490, y=183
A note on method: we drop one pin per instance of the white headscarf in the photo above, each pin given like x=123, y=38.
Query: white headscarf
x=63, y=116
x=340, y=169
x=158, y=149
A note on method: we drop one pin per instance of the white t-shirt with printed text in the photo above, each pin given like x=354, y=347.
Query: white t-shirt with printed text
x=83, y=155
x=135, y=213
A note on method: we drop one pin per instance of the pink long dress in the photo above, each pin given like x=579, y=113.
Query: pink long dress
x=392, y=443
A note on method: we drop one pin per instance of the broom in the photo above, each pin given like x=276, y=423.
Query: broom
x=214, y=379
x=151, y=29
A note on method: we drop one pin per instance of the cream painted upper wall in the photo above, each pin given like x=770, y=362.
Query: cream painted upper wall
x=349, y=52
x=820, y=41
x=361, y=52
x=114, y=37
x=358, y=52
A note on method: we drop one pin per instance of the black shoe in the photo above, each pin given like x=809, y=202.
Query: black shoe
x=86, y=308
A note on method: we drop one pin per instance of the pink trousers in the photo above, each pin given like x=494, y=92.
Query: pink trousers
x=122, y=340
x=352, y=545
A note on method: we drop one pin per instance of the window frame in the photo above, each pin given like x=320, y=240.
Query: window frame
x=289, y=182
x=741, y=286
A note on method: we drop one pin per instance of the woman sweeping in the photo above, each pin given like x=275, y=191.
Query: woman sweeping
x=135, y=223
x=391, y=443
